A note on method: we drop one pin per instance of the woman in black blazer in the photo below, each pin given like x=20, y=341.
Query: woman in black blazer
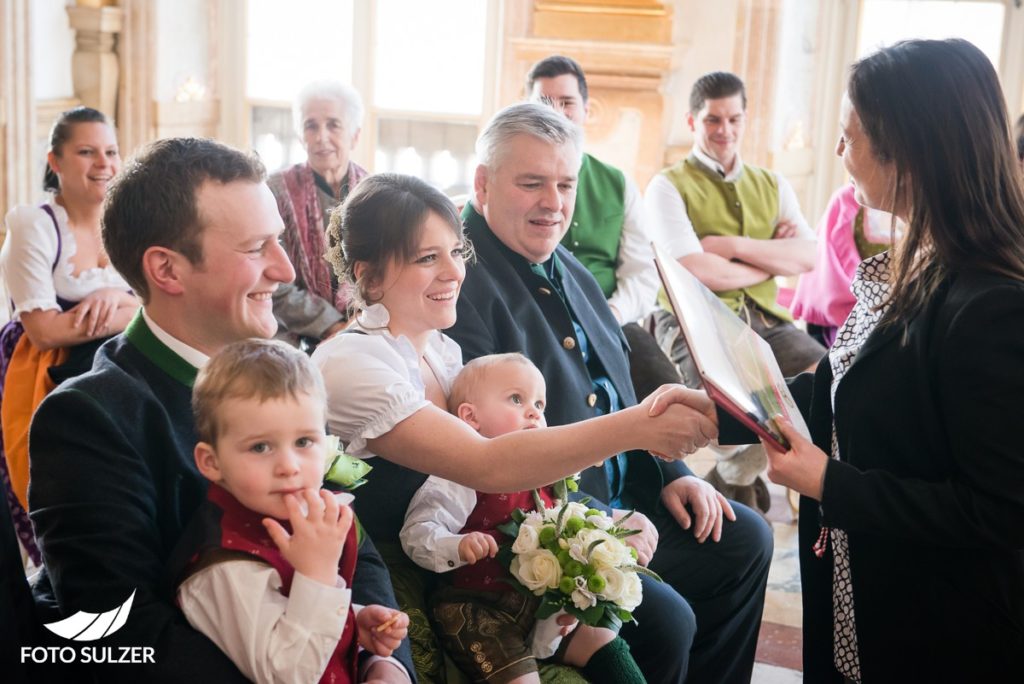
x=912, y=508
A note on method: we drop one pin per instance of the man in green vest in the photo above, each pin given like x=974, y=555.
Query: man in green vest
x=735, y=227
x=607, y=233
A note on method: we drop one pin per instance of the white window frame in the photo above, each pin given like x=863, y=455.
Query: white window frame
x=236, y=107
x=17, y=107
x=840, y=22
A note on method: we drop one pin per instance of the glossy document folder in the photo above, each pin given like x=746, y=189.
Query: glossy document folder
x=736, y=366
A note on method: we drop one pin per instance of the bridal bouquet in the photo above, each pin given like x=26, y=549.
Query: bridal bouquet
x=575, y=559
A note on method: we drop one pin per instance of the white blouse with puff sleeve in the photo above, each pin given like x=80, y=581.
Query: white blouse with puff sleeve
x=26, y=261
x=373, y=380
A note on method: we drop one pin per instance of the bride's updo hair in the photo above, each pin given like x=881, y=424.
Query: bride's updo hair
x=380, y=222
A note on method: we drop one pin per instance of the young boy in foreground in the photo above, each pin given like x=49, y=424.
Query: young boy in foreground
x=275, y=555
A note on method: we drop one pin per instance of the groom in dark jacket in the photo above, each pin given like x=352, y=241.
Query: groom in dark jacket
x=526, y=293
x=192, y=226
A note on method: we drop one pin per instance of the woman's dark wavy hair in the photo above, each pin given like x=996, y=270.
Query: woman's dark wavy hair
x=935, y=110
x=60, y=133
x=380, y=221
x=1018, y=130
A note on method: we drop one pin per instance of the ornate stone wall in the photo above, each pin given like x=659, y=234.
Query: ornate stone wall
x=624, y=46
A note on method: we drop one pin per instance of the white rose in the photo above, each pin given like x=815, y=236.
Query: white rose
x=632, y=592
x=528, y=540
x=537, y=570
x=575, y=508
x=609, y=553
x=601, y=522
x=623, y=557
x=614, y=583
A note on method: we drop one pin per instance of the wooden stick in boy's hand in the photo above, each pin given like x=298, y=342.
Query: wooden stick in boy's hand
x=390, y=623
x=381, y=629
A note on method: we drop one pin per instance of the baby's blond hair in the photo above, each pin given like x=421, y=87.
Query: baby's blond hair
x=475, y=372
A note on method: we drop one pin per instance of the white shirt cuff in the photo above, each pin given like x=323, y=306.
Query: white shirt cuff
x=446, y=552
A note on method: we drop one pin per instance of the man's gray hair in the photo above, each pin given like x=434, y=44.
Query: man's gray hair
x=529, y=118
x=347, y=96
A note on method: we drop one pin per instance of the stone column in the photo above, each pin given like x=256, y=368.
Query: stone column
x=17, y=111
x=136, y=49
x=625, y=49
x=94, y=65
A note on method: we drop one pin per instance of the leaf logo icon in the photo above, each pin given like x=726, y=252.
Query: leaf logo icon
x=83, y=626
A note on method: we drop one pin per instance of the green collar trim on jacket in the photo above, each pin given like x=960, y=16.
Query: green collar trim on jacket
x=554, y=266
x=139, y=334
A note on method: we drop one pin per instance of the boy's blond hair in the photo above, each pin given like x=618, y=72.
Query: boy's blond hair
x=473, y=373
x=251, y=369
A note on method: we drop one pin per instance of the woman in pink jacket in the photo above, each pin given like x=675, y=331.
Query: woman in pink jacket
x=847, y=234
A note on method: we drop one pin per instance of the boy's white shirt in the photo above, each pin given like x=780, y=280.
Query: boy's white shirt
x=269, y=636
x=436, y=513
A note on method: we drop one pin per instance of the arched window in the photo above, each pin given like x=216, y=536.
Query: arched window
x=426, y=92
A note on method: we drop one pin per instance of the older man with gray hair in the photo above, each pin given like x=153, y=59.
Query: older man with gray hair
x=328, y=117
x=526, y=293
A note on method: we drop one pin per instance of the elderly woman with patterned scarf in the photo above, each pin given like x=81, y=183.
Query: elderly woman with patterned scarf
x=329, y=118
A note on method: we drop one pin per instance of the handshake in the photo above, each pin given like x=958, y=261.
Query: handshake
x=679, y=421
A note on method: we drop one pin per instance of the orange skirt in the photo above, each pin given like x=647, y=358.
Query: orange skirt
x=26, y=384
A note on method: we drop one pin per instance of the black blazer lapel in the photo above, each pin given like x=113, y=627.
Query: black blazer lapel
x=877, y=340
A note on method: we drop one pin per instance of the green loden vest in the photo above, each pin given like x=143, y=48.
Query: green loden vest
x=747, y=206
x=596, y=229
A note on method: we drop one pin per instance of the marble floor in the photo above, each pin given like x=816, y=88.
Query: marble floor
x=778, y=648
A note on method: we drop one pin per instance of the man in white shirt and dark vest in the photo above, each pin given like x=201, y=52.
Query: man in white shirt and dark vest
x=735, y=227
x=608, y=233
